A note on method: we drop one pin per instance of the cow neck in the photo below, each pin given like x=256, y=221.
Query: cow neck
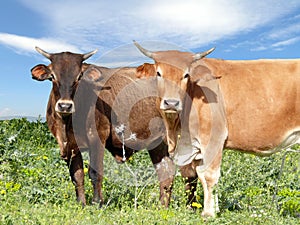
x=190, y=133
x=173, y=120
x=66, y=119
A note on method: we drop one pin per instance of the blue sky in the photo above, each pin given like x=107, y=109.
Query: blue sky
x=239, y=29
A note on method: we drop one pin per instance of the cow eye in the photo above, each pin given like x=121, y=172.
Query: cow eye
x=158, y=74
x=187, y=75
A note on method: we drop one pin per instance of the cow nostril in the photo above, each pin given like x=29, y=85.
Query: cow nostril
x=172, y=103
x=66, y=107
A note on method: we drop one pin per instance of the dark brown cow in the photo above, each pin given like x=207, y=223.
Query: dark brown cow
x=251, y=106
x=86, y=110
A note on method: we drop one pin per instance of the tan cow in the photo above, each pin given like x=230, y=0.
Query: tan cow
x=252, y=106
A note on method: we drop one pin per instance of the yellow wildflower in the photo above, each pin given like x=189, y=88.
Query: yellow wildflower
x=85, y=170
x=197, y=205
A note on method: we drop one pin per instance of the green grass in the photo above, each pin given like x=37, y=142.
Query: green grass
x=35, y=187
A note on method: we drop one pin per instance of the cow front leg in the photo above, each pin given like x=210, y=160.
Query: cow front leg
x=209, y=179
x=96, y=181
x=77, y=176
x=96, y=172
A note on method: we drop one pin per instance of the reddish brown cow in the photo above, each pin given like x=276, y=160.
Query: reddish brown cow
x=251, y=106
x=85, y=108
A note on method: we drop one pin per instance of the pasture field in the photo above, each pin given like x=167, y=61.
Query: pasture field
x=35, y=186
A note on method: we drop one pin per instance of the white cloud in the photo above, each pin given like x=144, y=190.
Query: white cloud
x=79, y=26
x=285, y=31
x=268, y=45
x=259, y=48
x=283, y=35
x=286, y=42
x=27, y=44
x=191, y=23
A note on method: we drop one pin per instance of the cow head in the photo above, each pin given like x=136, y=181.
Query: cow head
x=65, y=72
x=174, y=70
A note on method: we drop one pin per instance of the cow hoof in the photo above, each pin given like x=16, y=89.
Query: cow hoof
x=100, y=205
x=82, y=202
x=207, y=214
x=98, y=202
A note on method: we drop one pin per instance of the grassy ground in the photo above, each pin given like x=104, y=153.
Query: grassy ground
x=35, y=187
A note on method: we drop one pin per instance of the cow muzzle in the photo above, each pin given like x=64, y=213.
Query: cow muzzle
x=65, y=107
x=171, y=105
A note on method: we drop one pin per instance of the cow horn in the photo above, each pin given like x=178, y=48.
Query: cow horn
x=89, y=54
x=44, y=53
x=203, y=54
x=144, y=51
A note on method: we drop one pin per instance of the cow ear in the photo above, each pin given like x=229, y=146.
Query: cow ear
x=40, y=72
x=202, y=74
x=92, y=74
x=145, y=70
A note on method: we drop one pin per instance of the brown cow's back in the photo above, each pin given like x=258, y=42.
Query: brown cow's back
x=261, y=101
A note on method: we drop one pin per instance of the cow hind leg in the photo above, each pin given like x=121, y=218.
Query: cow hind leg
x=190, y=177
x=77, y=176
